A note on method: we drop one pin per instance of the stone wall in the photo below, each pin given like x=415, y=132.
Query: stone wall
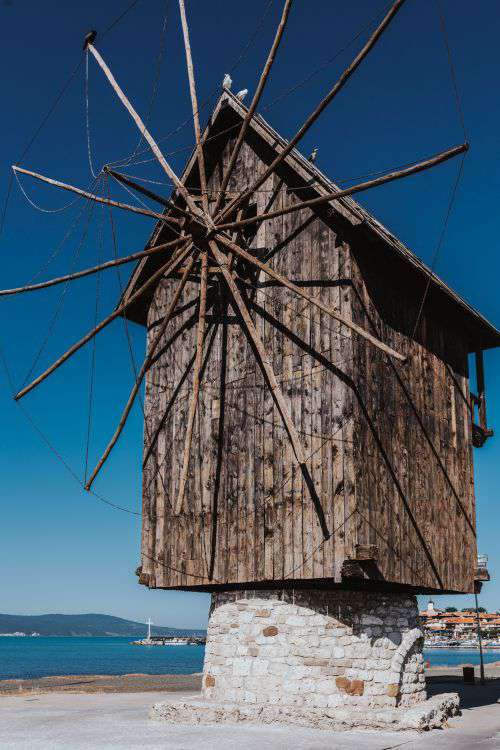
x=314, y=649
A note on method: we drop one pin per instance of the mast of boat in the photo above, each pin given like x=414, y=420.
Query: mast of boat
x=149, y=623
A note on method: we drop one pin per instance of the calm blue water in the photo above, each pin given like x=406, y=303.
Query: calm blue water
x=451, y=657
x=41, y=657
x=45, y=656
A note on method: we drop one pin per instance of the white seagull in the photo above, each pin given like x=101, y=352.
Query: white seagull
x=312, y=155
x=227, y=82
x=241, y=94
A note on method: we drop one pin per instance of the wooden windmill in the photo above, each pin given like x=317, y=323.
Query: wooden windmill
x=308, y=418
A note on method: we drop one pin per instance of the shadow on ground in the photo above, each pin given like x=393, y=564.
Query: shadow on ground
x=471, y=696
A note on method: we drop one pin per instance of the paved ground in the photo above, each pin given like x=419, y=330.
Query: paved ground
x=119, y=721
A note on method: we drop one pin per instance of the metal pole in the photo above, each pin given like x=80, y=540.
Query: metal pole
x=480, y=643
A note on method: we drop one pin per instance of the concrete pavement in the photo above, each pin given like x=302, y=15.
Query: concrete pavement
x=119, y=721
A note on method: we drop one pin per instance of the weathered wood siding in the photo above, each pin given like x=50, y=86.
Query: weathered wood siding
x=413, y=446
x=385, y=442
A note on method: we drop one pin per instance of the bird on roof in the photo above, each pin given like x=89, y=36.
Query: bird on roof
x=312, y=155
x=89, y=38
x=241, y=94
x=227, y=82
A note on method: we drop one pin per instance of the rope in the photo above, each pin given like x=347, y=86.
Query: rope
x=439, y=244
x=62, y=298
x=453, y=75
x=119, y=18
x=156, y=83
x=87, y=118
x=41, y=208
x=281, y=96
x=211, y=96
x=93, y=351
x=57, y=250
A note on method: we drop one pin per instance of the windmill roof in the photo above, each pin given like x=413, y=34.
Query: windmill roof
x=227, y=113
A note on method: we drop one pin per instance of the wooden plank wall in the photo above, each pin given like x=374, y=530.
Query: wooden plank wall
x=267, y=528
x=386, y=443
x=413, y=433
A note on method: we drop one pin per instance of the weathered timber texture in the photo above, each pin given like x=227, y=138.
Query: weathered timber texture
x=388, y=445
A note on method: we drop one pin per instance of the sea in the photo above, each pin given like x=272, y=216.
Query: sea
x=29, y=658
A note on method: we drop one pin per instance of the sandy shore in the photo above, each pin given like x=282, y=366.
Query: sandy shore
x=171, y=683
x=127, y=683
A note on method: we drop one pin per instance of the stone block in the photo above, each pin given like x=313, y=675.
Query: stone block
x=393, y=690
x=241, y=666
x=314, y=661
x=270, y=631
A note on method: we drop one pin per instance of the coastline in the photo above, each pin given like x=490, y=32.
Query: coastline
x=172, y=683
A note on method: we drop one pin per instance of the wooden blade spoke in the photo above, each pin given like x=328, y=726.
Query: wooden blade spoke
x=165, y=270
x=270, y=377
x=319, y=109
x=153, y=439
x=145, y=366
x=95, y=269
x=433, y=161
x=125, y=180
x=194, y=105
x=253, y=106
x=313, y=300
x=144, y=131
x=97, y=198
x=196, y=382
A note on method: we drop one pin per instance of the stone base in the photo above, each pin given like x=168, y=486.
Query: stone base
x=313, y=649
x=429, y=714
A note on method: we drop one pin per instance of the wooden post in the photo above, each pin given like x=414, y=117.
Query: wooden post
x=481, y=389
x=194, y=106
x=165, y=270
x=312, y=300
x=196, y=382
x=144, y=131
x=253, y=106
x=480, y=641
x=119, y=177
x=98, y=198
x=95, y=269
x=145, y=367
x=319, y=109
x=268, y=372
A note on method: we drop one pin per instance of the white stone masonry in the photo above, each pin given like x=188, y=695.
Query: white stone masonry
x=314, y=649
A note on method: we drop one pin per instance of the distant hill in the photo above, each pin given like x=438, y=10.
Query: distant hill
x=90, y=624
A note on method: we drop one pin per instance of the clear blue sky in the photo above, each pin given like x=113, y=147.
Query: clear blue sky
x=60, y=549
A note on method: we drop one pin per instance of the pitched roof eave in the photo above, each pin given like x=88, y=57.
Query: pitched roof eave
x=347, y=207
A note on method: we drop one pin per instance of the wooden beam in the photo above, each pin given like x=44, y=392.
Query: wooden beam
x=175, y=393
x=97, y=198
x=481, y=395
x=165, y=270
x=319, y=109
x=144, y=131
x=313, y=300
x=126, y=180
x=433, y=161
x=95, y=269
x=200, y=334
x=194, y=105
x=265, y=364
x=145, y=366
x=253, y=106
